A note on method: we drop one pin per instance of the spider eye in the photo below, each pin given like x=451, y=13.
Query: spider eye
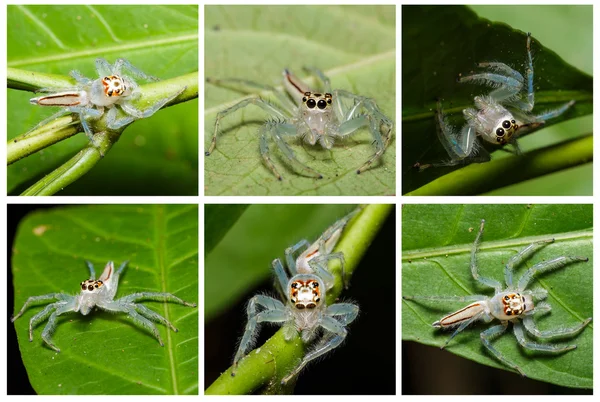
x=311, y=103
x=329, y=101
x=513, y=122
x=506, y=298
x=506, y=124
x=295, y=285
x=322, y=104
x=90, y=288
x=304, y=99
x=314, y=284
x=500, y=132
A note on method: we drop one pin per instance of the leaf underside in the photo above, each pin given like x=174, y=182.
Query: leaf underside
x=104, y=353
x=436, y=241
x=353, y=46
x=157, y=155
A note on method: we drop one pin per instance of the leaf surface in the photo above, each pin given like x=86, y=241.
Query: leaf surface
x=442, y=42
x=102, y=353
x=157, y=155
x=436, y=246
x=354, y=46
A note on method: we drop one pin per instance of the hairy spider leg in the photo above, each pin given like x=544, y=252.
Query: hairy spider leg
x=519, y=257
x=464, y=324
x=474, y=270
x=335, y=326
x=35, y=299
x=236, y=83
x=531, y=327
x=113, y=123
x=486, y=338
x=290, y=257
x=320, y=76
x=545, y=266
x=545, y=347
x=62, y=308
x=277, y=131
x=104, y=68
x=129, y=309
x=550, y=114
x=92, y=270
x=380, y=126
x=266, y=106
x=260, y=309
x=281, y=276
x=158, y=296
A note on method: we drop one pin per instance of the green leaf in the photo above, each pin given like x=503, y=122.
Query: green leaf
x=354, y=46
x=436, y=246
x=103, y=349
x=257, y=369
x=441, y=42
x=158, y=155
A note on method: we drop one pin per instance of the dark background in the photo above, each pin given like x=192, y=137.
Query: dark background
x=365, y=364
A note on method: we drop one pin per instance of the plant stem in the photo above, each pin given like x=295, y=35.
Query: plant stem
x=269, y=363
x=478, y=178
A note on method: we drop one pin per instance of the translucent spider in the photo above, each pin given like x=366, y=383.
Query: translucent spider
x=314, y=258
x=304, y=311
x=99, y=293
x=514, y=304
x=89, y=97
x=498, y=118
x=313, y=117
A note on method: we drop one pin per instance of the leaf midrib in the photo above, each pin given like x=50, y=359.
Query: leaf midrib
x=493, y=244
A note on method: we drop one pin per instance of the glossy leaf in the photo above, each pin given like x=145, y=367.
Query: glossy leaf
x=354, y=46
x=442, y=42
x=104, y=353
x=436, y=242
x=158, y=155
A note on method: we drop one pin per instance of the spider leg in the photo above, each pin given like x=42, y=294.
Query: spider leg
x=545, y=347
x=530, y=326
x=158, y=296
x=544, y=266
x=520, y=256
x=287, y=104
x=506, y=86
x=290, y=258
x=272, y=311
x=91, y=268
x=103, y=67
x=140, y=114
x=80, y=78
x=550, y=114
x=277, y=131
x=281, y=276
x=152, y=315
x=266, y=106
x=41, y=316
x=34, y=299
x=474, y=270
x=121, y=64
x=47, y=120
x=127, y=307
x=343, y=312
x=491, y=333
x=338, y=334
x=461, y=327
x=61, y=308
x=320, y=267
x=320, y=76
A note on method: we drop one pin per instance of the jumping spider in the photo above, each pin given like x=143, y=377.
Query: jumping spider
x=100, y=293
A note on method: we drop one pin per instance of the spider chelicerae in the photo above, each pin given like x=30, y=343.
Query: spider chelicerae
x=499, y=117
x=99, y=293
x=511, y=304
x=115, y=86
x=316, y=117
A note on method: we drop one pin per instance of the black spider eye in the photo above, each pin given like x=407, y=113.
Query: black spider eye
x=304, y=99
x=500, y=132
x=322, y=104
x=295, y=285
x=311, y=103
x=513, y=122
x=506, y=124
x=506, y=298
x=315, y=284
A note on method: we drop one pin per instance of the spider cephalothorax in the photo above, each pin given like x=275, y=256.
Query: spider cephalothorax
x=305, y=293
x=114, y=85
x=314, y=100
x=90, y=285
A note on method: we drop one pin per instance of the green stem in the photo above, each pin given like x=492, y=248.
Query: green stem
x=269, y=363
x=479, y=178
